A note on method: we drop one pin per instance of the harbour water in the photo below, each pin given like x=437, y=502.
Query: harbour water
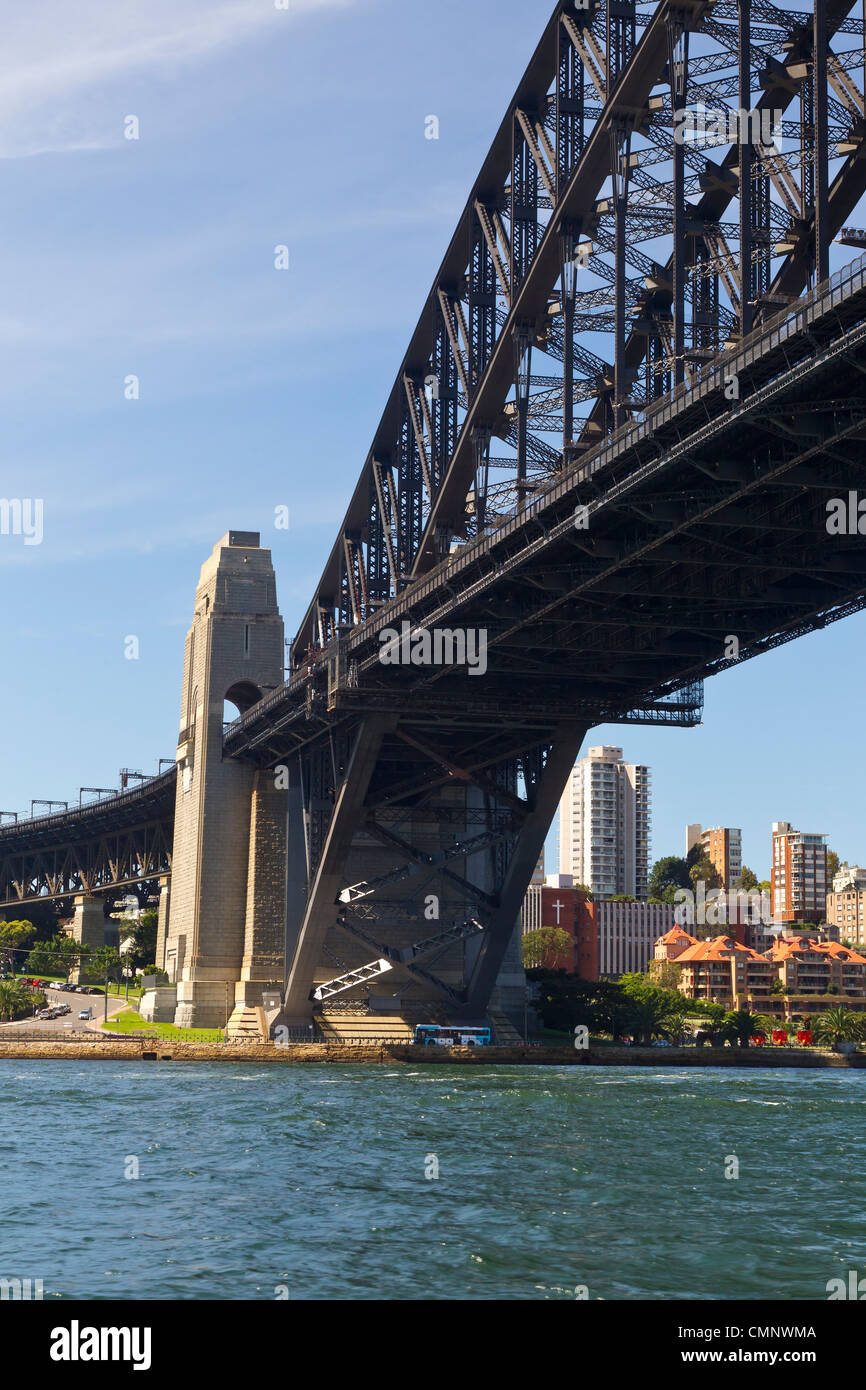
x=320, y=1182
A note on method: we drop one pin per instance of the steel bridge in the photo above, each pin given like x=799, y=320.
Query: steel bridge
x=604, y=468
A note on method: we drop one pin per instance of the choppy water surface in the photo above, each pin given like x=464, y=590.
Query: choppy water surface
x=310, y=1181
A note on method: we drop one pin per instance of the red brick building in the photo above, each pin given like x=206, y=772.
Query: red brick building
x=608, y=938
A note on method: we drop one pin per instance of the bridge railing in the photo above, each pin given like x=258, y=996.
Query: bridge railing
x=127, y=795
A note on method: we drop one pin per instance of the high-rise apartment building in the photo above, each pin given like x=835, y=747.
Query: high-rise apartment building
x=604, y=824
x=846, y=912
x=723, y=846
x=799, y=875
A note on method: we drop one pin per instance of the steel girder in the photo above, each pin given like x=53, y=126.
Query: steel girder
x=585, y=165
x=444, y=831
x=112, y=843
x=574, y=620
x=135, y=855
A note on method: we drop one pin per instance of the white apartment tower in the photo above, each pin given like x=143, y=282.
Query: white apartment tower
x=604, y=824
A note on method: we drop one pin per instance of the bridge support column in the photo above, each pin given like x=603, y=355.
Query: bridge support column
x=162, y=923
x=321, y=909
x=88, y=927
x=265, y=928
x=545, y=797
x=234, y=653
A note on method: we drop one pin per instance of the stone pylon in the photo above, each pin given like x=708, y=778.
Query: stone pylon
x=225, y=930
x=88, y=927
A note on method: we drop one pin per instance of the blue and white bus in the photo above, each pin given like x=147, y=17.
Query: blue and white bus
x=434, y=1035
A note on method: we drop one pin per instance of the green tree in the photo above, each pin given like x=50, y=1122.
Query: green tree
x=665, y=973
x=744, y=1025
x=566, y=1000
x=143, y=940
x=652, y=1010
x=838, y=1025
x=105, y=962
x=59, y=956
x=704, y=871
x=621, y=898
x=832, y=866
x=715, y=1020
x=669, y=873
x=13, y=935
x=748, y=881
x=695, y=854
x=542, y=947
x=17, y=1000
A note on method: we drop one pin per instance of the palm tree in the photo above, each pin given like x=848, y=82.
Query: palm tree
x=15, y=999
x=652, y=1015
x=838, y=1025
x=713, y=1023
x=743, y=1025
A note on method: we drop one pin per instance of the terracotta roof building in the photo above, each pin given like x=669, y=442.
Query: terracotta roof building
x=796, y=974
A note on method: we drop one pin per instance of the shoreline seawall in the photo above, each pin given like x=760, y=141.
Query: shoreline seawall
x=118, y=1049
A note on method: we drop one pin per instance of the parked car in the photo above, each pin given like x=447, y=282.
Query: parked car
x=660, y=1042
x=42, y=1013
x=85, y=1013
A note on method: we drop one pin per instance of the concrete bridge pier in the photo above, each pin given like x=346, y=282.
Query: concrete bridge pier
x=263, y=961
x=225, y=894
x=88, y=927
x=162, y=921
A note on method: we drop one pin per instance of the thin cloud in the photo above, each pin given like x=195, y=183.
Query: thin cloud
x=61, y=63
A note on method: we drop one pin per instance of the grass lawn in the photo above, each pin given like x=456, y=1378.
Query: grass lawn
x=131, y=1022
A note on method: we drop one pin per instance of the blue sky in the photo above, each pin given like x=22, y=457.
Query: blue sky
x=260, y=388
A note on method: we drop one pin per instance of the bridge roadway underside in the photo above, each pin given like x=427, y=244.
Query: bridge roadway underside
x=115, y=843
x=706, y=527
